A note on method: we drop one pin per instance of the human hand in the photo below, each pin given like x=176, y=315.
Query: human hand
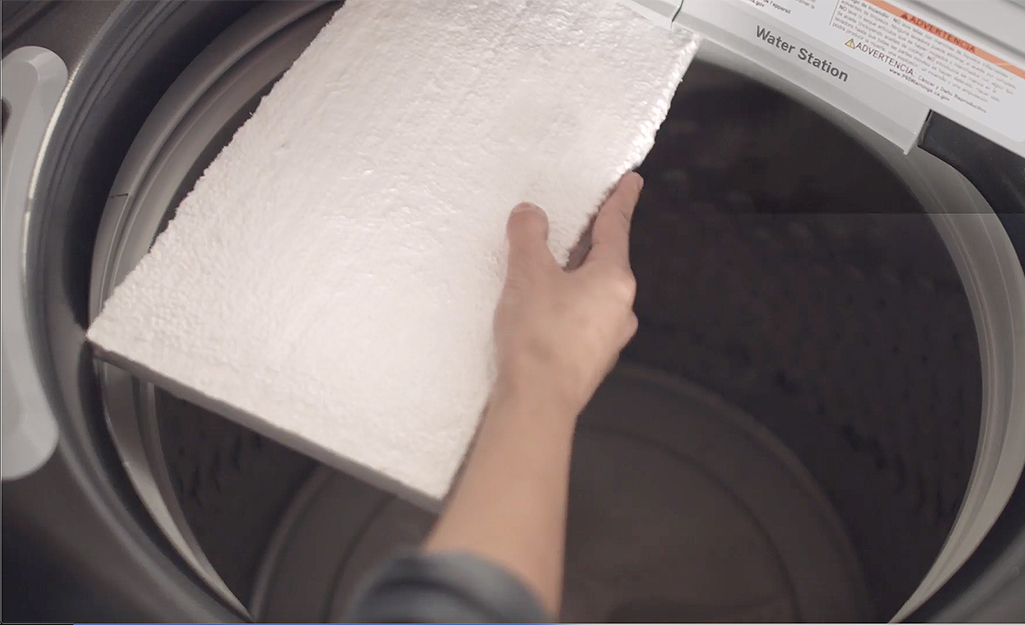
x=559, y=331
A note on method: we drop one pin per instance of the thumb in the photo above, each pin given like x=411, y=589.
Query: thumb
x=528, y=239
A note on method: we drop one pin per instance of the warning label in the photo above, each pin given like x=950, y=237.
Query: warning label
x=877, y=53
x=946, y=68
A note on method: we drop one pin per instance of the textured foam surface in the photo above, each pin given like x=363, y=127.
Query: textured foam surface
x=331, y=279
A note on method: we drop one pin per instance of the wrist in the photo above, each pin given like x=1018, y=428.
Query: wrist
x=533, y=396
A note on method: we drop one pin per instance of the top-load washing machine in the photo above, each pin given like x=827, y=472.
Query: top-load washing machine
x=830, y=262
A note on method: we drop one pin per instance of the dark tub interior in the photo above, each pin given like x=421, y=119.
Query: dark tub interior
x=781, y=266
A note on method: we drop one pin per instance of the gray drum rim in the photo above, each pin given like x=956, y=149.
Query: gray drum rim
x=981, y=250
x=208, y=94
x=738, y=439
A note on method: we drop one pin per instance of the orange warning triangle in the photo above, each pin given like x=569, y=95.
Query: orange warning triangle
x=850, y=43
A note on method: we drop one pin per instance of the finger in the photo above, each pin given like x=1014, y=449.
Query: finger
x=579, y=253
x=611, y=237
x=528, y=238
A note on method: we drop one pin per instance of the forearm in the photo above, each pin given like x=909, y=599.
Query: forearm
x=510, y=505
x=557, y=333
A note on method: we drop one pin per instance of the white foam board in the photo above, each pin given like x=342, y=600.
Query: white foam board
x=331, y=279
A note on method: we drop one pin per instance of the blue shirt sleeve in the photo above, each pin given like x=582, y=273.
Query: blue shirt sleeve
x=444, y=588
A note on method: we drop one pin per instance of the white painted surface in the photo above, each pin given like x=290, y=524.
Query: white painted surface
x=889, y=71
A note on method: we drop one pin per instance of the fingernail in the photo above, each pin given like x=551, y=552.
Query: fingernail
x=523, y=207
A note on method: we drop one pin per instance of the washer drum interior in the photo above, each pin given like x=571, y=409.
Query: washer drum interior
x=823, y=294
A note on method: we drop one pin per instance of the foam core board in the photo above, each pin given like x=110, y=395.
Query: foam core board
x=331, y=279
